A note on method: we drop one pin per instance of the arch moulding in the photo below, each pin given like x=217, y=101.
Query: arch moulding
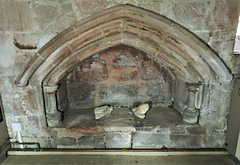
x=187, y=56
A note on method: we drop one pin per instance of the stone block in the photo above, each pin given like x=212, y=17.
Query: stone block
x=103, y=91
x=22, y=57
x=7, y=53
x=224, y=50
x=86, y=8
x=91, y=72
x=80, y=91
x=195, y=130
x=66, y=7
x=178, y=130
x=87, y=103
x=125, y=61
x=33, y=122
x=45, y=14
x=118, y=140
x=123, y=91
x=191, y=15
x=149, y=69
x=153, y=89
x=62, y=23
x=17, y=16
x=187, y=141
x=62, y=142
x=26, y=41
x=148, y=140
x=131, y=76
x=91, y=141
x=225, y=14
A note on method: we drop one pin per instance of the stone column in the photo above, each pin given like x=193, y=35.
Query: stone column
x=191, y=114
x=54, y=117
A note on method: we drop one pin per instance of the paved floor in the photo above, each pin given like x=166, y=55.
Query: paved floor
x=126, y=160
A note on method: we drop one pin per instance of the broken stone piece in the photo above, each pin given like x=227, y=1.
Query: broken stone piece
x=102, y=111
x=141, y=110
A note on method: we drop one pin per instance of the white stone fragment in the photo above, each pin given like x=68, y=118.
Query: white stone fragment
x=141, y=110
x=102, y=111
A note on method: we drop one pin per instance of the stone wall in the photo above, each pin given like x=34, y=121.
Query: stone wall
x=27, y=25
x=120, y=76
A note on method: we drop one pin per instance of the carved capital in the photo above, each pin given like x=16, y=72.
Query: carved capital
x=51, y=89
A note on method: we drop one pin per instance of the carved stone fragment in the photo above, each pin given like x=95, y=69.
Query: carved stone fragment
x=141, y=110
x=102, y=111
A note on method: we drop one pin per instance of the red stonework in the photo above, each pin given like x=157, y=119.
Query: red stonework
x=120, y=76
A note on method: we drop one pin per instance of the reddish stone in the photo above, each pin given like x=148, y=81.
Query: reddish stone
x=226, y=13
x=149, y=70
x=130, y=76
x=96, y=72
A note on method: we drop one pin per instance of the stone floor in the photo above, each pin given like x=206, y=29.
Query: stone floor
x=161, y=116
x=90, y=159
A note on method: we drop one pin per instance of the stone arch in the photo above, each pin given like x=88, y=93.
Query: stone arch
x=174, y=46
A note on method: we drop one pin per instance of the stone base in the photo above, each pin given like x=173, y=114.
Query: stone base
x=161, y=128
x=55, y=119
x=191, y=116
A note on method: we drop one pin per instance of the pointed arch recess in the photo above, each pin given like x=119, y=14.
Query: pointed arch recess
x=175, y=47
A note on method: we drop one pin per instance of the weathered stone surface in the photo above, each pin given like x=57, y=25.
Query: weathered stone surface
x=80, y=91
x=103, y=91
x=224, y=50
x=66, y=7
x=102, y=111
x=18, y=17
x=26, y=40
x=118, y=140
x=86, y=8
x=20, y=20
x=193, y=141
x=65, y=141
x=45, y=14
x=148, y=140
x=130, y=76
x=62, y=23
x=89, y=71
x=123, y=91
x=150, y=70
x=7, y=52
x=225, y=13
x=91, y=141
x=125, y=61
x=190, y=14
x=141, y=110
x=154, y=89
